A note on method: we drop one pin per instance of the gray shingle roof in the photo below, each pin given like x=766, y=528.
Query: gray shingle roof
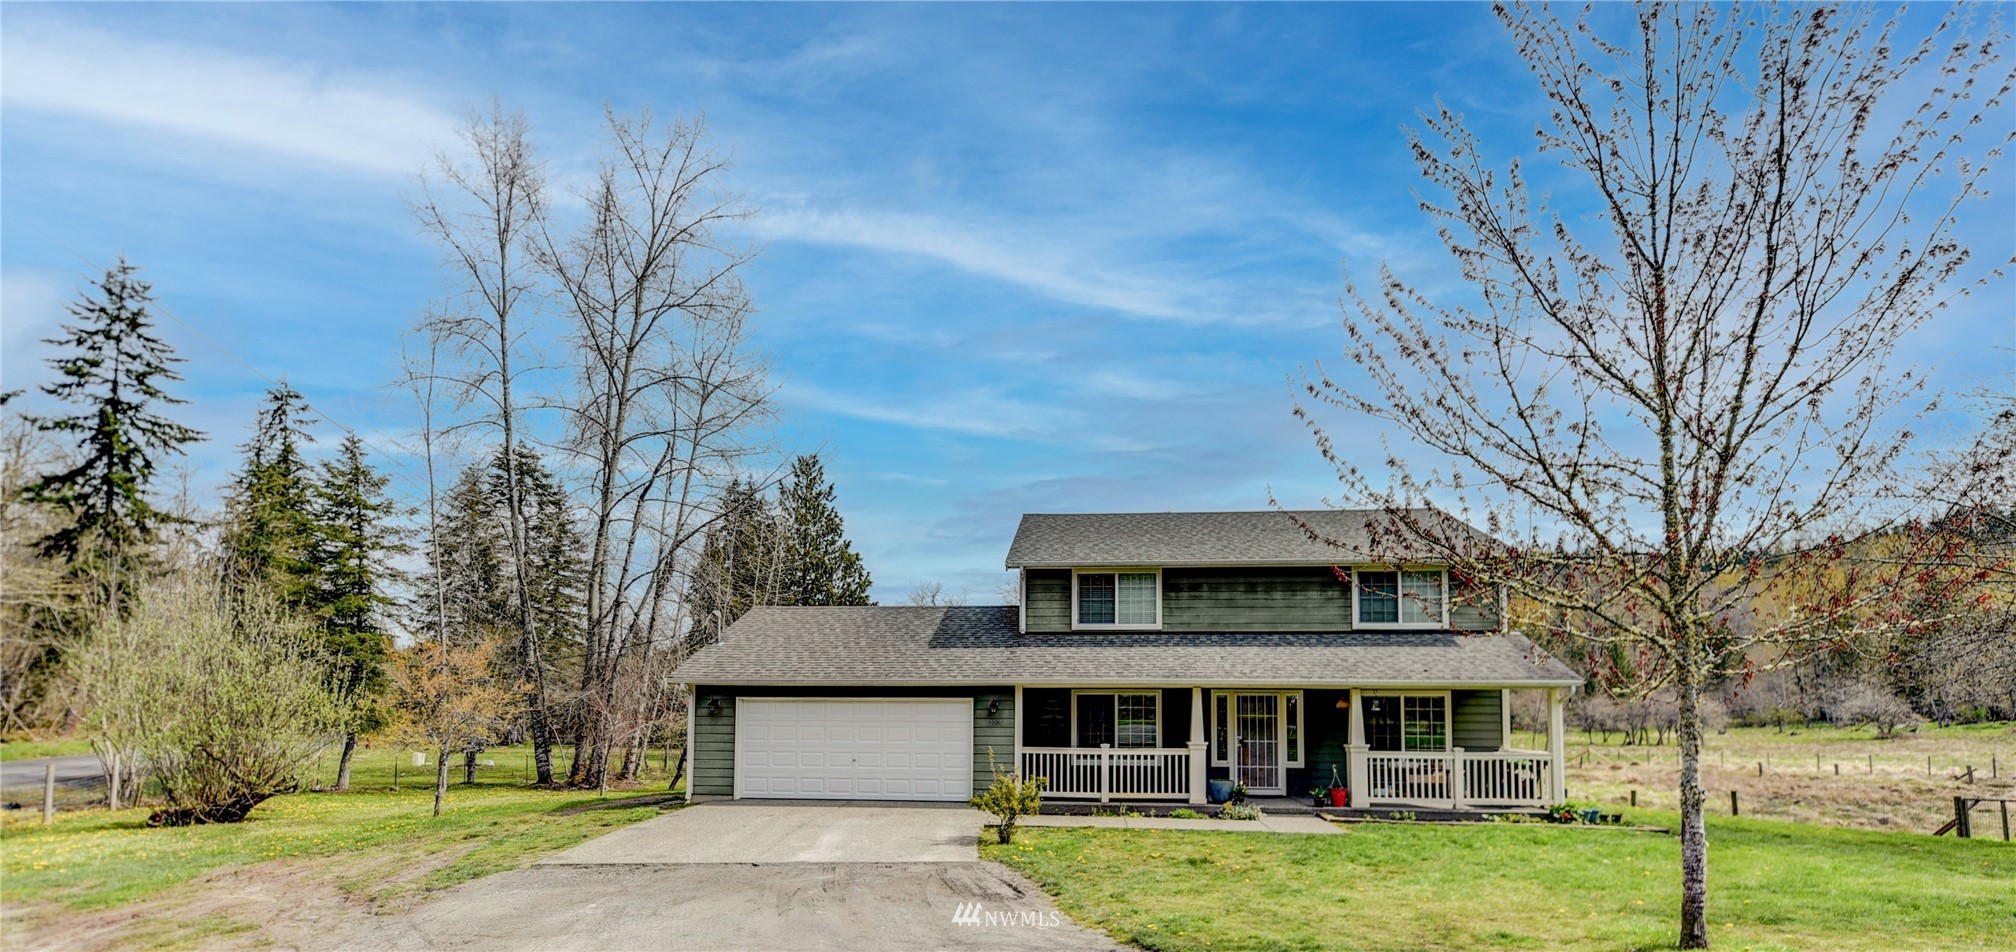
x=1198, y=538
x=979, y=645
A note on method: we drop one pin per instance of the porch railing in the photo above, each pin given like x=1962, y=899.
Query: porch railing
x=1457, y=779
x=1105, y=773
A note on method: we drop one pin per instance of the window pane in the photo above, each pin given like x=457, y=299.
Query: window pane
x=1294, y=729
x=1137, y=598
x=1137, y=720
x=1422, y=724
x=1224, y=728
x=1095, y=599
x=1095, y=719
x=1378, y=597
x=1421, y=603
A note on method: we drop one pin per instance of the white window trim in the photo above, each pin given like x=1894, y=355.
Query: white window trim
x=1115, y=694
x=1448, y=714
x=1301, y=726
x=1401, y=585
x=1115, y=571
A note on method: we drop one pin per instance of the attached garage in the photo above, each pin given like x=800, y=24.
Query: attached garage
x=848, y=748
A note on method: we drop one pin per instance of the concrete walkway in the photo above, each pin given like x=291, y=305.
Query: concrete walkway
x=1268, y=823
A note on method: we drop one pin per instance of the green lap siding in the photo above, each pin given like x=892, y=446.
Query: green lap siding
x=1478, y=717
x=993, y=733
x=1270, y=599
x=713, y=745
x=713, y=770
x=1046, y=599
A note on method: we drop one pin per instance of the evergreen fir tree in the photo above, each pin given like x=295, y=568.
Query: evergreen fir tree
x=352, y=560
x=270, y=530
x=469, y=557
x=114, y=376
x=820, y=565
x=740, y=566
x=557, y=568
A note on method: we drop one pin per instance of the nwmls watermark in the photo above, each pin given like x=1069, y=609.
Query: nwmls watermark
x=977, y=914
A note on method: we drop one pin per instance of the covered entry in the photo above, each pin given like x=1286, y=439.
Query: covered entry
x=854, y=748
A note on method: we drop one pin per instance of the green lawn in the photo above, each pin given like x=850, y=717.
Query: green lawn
x=32, y=749
x=374, y=843
x=1413, y=886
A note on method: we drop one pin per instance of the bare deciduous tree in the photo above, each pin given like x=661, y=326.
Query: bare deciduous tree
x=665, y=394
x=485, y=223
x=1668, y=380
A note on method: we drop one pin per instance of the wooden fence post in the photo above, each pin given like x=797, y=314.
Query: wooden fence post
x=1734, y=810
x=1634, y=798
x=1837, y=770
x=1961, y=825
x=2005, y=821
x=1760, y=770
x=49, y=798
x=1872, y=765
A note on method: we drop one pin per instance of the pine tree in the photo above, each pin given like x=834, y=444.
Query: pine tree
x=741, y=563
x=114, y=375
x=556, y=567
x=270, y=529
x=357, y=539
x=469, y=557
x=820, y=565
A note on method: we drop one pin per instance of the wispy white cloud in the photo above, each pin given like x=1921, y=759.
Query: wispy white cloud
x=978, y=411
x=230, y=98
x=1058, y=269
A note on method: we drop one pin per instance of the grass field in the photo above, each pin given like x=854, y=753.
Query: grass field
x=1773, y=885
x=1880, y=784
x=377, y=846
x=32, y=749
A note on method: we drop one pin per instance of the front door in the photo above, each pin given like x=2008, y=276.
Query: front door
x=1256, y=727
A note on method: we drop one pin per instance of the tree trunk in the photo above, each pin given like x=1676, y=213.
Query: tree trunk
x=679, y=771
x=469, y=766
x=343, y=761
x=440, y=778
x=1693, y=831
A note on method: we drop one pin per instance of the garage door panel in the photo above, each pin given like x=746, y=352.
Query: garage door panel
x=854, y=749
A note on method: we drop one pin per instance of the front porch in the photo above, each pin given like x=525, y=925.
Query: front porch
x=1390, y=748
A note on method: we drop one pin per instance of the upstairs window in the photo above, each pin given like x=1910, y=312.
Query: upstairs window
x=1117, y=599
x=1414, y=598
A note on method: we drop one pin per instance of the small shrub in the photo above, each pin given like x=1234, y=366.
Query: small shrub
x=1404, y=816
x=1185, y=813
x=1009, y=798
x=1509, y=818
x=1239, y=811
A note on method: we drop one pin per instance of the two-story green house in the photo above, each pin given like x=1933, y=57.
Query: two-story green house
x=1151, y=654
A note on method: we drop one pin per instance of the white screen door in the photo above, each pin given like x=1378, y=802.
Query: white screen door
x=1257, y=723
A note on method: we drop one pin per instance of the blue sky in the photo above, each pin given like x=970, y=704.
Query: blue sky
x=1015, y=258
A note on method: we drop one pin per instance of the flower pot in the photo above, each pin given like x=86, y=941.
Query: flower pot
x=1340, y=797
x=1218, y=790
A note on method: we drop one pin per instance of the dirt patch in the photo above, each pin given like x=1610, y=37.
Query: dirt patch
x=286, y=904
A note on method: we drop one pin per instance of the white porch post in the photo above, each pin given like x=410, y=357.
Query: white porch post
x=1357, y=778
x=1198, y=760
x=1105, y=772
x=1020, y=769
x=1456, y=779
x=1557, y=745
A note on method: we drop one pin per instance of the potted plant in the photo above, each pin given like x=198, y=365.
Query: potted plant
x=1339, y=795
x=1319, y=795
x=1238, y=794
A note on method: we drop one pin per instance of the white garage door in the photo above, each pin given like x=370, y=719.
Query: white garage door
x=844, y=749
